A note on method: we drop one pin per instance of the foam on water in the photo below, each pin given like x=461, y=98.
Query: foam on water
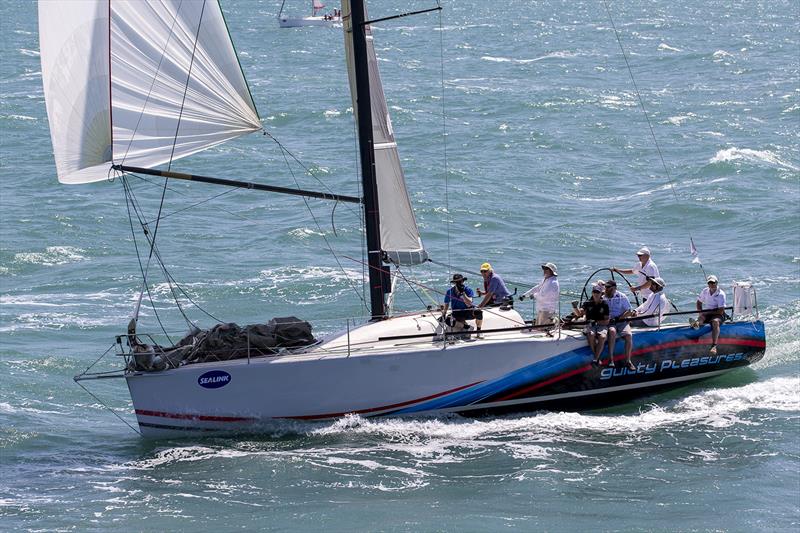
x=52, y=255
x=751, y=156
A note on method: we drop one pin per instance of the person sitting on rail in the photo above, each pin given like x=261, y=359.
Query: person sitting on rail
x=495, y=292
x=619, y=308
x=546, y=295
x=711, y=310
x=646, y=269
x=595, y=309
x=459, y=298
x=654, y=307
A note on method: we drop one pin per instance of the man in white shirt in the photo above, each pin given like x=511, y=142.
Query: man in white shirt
x=546, y=295
x=711, y=310
x=656, y=305
x=646, y=269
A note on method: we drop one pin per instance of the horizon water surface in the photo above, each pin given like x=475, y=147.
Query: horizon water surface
x=548, y=157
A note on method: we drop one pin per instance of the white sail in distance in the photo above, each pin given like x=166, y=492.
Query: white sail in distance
x=138, y=83
x=400, y=239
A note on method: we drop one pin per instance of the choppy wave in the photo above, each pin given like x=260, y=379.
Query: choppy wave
x=553, y=55
x=53, y=255
x=751, y=156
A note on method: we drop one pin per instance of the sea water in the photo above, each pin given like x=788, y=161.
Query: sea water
x=548, y=157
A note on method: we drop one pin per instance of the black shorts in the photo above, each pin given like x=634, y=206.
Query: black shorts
x=462, y=315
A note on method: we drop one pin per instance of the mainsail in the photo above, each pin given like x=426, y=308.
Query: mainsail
x=139, y=83
x=400, y=240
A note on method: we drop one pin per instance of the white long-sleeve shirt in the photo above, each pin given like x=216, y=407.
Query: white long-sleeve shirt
x=546, y=294
x=657, y=305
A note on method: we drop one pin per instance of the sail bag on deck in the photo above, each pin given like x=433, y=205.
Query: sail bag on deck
x=139, y=83
x=400, y=240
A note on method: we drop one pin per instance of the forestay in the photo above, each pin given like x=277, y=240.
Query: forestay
x=400, y=239
x=139, y=83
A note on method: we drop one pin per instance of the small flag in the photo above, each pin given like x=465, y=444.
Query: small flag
x=693, y=250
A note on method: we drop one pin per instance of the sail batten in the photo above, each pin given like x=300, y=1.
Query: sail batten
x=138, y=82
x=399, y=235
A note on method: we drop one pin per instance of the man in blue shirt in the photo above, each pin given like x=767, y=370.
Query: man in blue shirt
x=619, y=308
x=459, y=297
x=494, y=288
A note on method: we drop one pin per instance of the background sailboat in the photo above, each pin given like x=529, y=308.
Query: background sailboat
x=315, y=19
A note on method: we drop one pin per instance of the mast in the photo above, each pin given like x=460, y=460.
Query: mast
x=368, y=178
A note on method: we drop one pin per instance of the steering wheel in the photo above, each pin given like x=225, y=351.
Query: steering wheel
x=585, y=295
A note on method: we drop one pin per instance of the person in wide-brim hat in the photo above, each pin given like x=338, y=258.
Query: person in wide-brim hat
x=546, y=294
x=459, y=298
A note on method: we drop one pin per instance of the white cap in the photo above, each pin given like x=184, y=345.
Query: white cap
x=644, y=250
x=713, y=278
x=660, y=282
x=552, y=267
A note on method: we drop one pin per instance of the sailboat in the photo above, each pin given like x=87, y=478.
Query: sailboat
x=133, y=86
x=315, y=19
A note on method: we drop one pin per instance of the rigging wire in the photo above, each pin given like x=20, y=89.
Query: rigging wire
x=214, y=197
x=305, y=168
x=410, y=285
x=444, y=135
x=322, y=233
x=650, y=125
x=128, y=201
x=90, y=393
x=167, y=274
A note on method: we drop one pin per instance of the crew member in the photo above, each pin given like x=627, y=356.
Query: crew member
x=619, y=308
x=656, y=305
x=459, y=297
x=546, y=294
x=711, y=310
x=494, y=288
x=595, y=309
x=646, y=270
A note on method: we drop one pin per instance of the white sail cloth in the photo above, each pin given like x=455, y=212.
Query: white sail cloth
x=139, y=83
x=400, y=240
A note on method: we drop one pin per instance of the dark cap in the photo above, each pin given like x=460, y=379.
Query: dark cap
x=457, y=278
x=611, y=283
x=597, y=288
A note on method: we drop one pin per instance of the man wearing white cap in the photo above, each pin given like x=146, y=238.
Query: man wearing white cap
x=711, y=310
x=655, y=306
x=546, y=295
x=646, y=270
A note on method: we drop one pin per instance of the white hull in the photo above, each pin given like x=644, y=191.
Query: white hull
x=296, y=22
x=398, y=377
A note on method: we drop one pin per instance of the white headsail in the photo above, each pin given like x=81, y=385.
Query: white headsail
x=400, y=239
x=139, y=83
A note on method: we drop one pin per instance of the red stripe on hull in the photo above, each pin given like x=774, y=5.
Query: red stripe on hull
x=382, y=408
x=674, y=344
x=206, y=418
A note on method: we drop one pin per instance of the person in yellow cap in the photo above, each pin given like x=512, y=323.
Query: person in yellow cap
x=494, y=288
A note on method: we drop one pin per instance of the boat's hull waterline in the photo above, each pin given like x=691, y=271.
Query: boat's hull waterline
x=298, y=22
x=529, y=372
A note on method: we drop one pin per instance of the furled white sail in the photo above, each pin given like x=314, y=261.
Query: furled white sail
x=400, y=239
x=138, y=82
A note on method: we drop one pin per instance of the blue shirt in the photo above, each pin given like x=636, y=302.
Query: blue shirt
x=457, y=302
x=498, y=288
x=617, y=305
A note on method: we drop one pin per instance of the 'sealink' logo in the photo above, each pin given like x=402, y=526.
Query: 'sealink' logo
x=214, y=379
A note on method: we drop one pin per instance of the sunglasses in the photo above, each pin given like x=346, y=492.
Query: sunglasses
x=712, y=282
